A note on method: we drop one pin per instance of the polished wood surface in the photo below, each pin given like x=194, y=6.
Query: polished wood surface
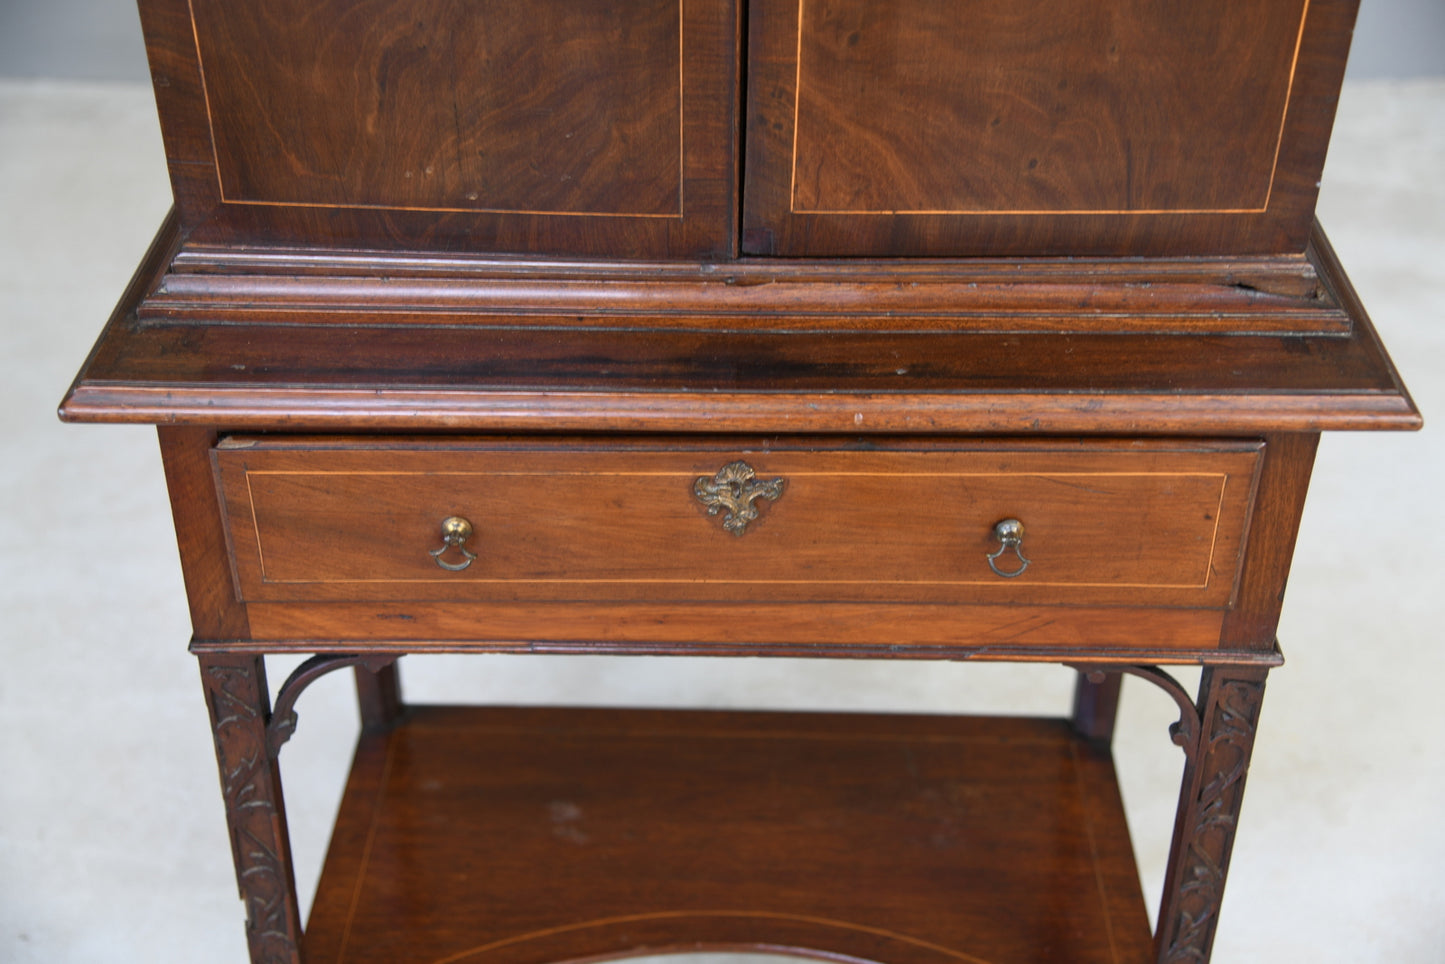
x=1049, y=261
x=1133, y=524
x=322, y=285
x=1210, y=800
x=1186, y=296
x=259, y=376
x=554, y=127
x=520, y=836
x=451, y=94
x=1033, y=106
x=1283, y=484
x=379, y=374
x=1038, y=127
x=1096, y=705
x=239, y=704
x=835, y=629
x=216, y=611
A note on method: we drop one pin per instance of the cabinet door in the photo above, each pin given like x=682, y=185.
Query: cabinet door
x=1008, y=127
x=550, y=127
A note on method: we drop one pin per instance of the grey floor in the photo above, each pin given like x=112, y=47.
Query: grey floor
x=112, y=846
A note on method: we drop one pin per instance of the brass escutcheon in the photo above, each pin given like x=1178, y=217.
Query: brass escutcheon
x=735, y=489
x=455, y=531
x=1010, y=534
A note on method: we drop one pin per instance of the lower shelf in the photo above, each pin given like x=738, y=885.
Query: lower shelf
x=521, y=836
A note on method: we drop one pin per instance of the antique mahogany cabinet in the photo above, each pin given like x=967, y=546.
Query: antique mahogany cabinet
x=886, y=329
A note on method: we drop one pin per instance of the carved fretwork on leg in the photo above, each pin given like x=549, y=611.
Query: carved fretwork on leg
x=235, y=687
x=1209, y=802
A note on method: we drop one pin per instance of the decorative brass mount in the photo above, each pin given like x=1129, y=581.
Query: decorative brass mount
x=735, y=488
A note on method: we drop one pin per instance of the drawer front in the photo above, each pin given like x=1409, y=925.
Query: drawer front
x=1103, y=524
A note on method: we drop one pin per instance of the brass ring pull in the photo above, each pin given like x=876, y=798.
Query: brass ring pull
x=735, y=488
x=1010, y=534
x=455, y=531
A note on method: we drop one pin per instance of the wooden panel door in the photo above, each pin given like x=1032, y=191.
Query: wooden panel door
x=552, y=127
x=1007, y=127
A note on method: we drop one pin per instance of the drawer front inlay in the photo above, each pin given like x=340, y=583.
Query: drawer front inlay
x=1108, y=524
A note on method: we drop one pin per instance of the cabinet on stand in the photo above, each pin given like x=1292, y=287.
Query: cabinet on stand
x=989, y=331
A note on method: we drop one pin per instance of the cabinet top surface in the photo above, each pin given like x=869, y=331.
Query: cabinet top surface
x=367, y=369
x=399, y=143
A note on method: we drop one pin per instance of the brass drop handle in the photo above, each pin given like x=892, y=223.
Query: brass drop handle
x=455, y=532
x=1010, y=535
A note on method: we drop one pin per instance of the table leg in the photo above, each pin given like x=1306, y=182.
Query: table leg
x=236, y=695
x=1209, y=802
x=1096, y=705
x=378, y=694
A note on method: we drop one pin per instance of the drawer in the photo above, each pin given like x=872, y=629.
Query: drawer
x=1120, y=524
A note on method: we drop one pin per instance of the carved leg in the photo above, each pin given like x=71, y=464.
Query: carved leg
x=1096, y=704
x=379, y=696
x=236, y=695
x=1209, y=801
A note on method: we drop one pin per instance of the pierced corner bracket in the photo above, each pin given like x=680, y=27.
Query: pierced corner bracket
x=1183, y=733
x=282, y=722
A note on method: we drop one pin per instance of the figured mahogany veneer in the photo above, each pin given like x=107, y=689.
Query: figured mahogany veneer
x=470, y=836
x=450, y=91
x=1044, y=260
x=1038, y=126
x=341, y=520
x=549, y=127
x=862, y=540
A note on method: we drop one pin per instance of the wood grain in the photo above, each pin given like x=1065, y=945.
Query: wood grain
x=410, y=378
x=525, y=836
x=1040, y=106
x=556, y=128
x=1210, y=798
x=378, y=374
x=216, y=608
x=1285, y=275
x=240, y=705
x=1283, y=483
x=444, y=234
x=792, y=629
x=1194, y=296
x=438, y=105
x=351, y=521
x=1033, y=127
x=1096, y=706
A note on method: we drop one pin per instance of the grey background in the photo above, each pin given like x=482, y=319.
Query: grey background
x=99, y=40
x=113, y=847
